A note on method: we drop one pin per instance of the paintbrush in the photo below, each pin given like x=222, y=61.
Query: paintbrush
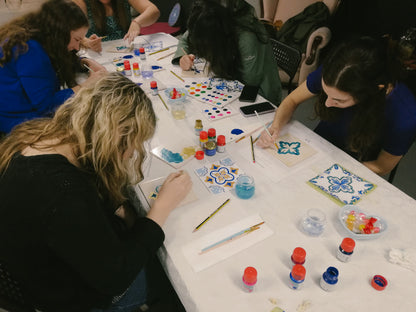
x=267, y=130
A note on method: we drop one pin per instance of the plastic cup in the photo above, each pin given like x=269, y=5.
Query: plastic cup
x=313, y=223
x=244, y=187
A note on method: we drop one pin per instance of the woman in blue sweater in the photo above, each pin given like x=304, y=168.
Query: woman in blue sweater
x=38, y=62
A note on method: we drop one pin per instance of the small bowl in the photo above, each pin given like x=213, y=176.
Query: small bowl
x=180, y=91
x=345, y=211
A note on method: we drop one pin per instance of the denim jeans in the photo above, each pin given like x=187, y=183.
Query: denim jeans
x=132, y=299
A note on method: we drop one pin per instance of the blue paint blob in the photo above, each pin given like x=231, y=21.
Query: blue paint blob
x=129, y=56
x=171, y=157
x=236, y=131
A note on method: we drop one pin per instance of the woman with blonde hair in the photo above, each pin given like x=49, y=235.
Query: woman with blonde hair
x=73, y=242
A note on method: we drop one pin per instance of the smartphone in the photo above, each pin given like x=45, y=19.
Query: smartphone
x=260, y=108
x=249, y=93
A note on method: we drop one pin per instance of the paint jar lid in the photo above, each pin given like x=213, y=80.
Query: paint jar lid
x=199, y=155
x=348, y=244
x=298, y=255
x=210, y=145
x=221, y=140
x=135, y=65
x=298, y=272
x=203, y=135
x=250, y=276
x=379, y=282
x=141, y=50
x=153, y=84
x=331, y=275
x=211, y=132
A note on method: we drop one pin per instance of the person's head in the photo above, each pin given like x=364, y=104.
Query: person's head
x=359, y=72
x=103, y=123
x=99, y=14
x=58, y=26
x=212, y=36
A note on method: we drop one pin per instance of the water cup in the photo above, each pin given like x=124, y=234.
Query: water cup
x=146, y=70
x=313, y=223
x=244, y=187
x=178, y=109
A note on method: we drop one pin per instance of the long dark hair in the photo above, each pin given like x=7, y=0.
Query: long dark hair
x=213, y=33
x=49, y=27
x=120, y=15
x=365, y=68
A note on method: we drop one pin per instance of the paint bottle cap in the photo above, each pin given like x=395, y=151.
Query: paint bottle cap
x=199, y=155
x=212, y=133
x=153, y=84
x=203, y=135
x=141, y=50
x=331, y=275
x=127, y=65
x=250, y=276
x=298, y=255
x=135, y=65
x=379, y=282
x=348, y=244
x=221, y=140
x=298, y=272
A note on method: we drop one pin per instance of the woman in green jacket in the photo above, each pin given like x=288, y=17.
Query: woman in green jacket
x=234, y=43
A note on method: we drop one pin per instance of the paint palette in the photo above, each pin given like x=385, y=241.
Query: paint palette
x=215, y=91
x=175, y=158
x=217, y=113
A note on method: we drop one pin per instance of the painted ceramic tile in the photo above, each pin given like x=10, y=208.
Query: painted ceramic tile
x=342, y=184
x=219, y=176
x=175, y=158
x=290, y=150
x=150, y=190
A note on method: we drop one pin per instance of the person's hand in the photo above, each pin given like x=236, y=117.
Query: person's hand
x=265, y=139
x=94, y=65
x=187, y=61
x=94, y=76
x=134, y=31
x=93, y=43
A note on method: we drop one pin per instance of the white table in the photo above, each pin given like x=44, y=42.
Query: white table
x=282, y=198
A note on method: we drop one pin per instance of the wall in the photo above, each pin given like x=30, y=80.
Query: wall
x=16, y=8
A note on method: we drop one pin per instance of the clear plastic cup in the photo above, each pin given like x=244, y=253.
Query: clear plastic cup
x=313, y=223
x=244, y=187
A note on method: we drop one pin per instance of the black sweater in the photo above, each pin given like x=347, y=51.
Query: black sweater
x=61, y=241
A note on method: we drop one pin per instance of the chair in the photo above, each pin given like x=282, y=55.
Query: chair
x=11, y=298
x=275, y=11
x=288, y=60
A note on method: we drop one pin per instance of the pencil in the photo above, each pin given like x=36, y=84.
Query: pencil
x=267, y=130
x=165, y=49
x=163, y=101
x=89, y=68
x=103, y=37
x=252, y=149
x=177, y=76
x=231, y=238
x=212, y=214
x=161, y=58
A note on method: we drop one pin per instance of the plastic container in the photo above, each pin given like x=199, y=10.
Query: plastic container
x=249, y=279
x=203, y=138
x=244, y=187
x=221, y=144
x=210, y=148
x=313, y=223
x=198, y=126
x=136, y=70
x=153, y=87
x=212, y=134
x=346, y=249
x=127, y=68
x=298, y=255
x=329, y=279
x=176, y=98
x=142, y=53
x=297, y=276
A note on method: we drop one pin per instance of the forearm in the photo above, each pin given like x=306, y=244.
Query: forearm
x=148, y=17
x=384, y=163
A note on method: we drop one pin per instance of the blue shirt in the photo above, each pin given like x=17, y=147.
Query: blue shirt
x=29, y=87
x=400, y=119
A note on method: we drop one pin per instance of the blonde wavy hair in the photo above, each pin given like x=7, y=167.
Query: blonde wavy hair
x=101, y=123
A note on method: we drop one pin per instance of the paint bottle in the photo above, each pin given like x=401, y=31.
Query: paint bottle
x=249, y=279
x=298, y=255
x=120, y=70
x=210, y=148
x=203, y=138
x=142, y=54
x=198, y=126
x=329, y=279
x=153, y=87
x=221, y=144
x=136, y=70
x=297, y=276
x=346, y=249
x=127, y=68
x=212, y=134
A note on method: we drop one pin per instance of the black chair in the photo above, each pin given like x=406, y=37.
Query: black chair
x=287, y=58
x=11, y=298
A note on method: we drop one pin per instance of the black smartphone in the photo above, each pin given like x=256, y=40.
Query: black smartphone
x=260, y=108
x=249, y=93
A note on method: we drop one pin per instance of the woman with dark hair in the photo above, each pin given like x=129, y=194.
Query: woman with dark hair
x=364, y=107
x=68, y=235
x=112, y=19
x=38, y=58
x=233, y=42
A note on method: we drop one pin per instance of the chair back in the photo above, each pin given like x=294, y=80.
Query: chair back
x=11, y=297
x=287, y=58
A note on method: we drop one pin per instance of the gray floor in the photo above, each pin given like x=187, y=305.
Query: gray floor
x=405, y=178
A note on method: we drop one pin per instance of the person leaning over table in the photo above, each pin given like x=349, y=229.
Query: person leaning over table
x=234, y=43
x=72, y=241
x=112, y=19
x=38, y=62
x=364, y=107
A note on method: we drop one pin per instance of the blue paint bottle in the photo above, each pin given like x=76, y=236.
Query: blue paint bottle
x=297, y=276
x=329, y=279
